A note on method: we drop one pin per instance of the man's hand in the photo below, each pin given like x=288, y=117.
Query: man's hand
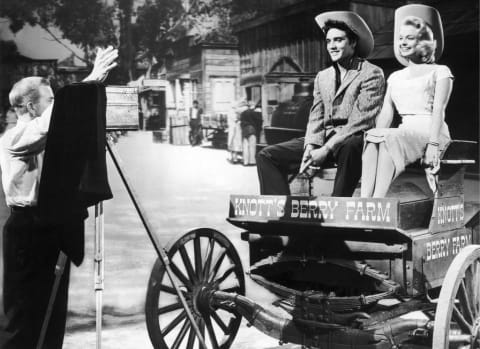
x=306, y=153
x=319, y=155
x=306, y=158
x=104, y=62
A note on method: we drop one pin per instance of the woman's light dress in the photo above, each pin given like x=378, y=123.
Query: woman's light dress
x=413, y=100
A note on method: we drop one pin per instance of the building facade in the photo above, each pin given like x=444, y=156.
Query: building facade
x=285, y=46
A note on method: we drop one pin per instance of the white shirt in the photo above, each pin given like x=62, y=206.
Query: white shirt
x=21, y=159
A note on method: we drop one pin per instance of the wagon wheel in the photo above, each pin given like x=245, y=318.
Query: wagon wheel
x=457, y=319
x=202, y=260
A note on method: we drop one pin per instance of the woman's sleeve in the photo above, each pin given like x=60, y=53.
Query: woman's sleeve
x=443, y=72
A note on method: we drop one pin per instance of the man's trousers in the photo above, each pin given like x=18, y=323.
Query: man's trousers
x=30, y=253
x=276, y=162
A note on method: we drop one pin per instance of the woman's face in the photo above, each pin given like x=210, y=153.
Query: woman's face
x=407, y=41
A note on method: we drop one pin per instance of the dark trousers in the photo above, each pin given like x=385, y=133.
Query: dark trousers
x=276, y=162
x=30, y=253
x=195, y=132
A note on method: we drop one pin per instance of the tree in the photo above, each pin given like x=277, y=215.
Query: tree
x=87, y=23
x=161, y=22
x=158, y=23
x=210, y=21
x=125, y=13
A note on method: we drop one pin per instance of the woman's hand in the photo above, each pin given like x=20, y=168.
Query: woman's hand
x=104, y=62
x=431, y=158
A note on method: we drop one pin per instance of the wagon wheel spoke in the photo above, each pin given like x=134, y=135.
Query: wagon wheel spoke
x=217, y=264
x=174, y=323
x=181, y=334
x=201, y=327
x=475, y=284
x=167, y=289
x=465, y=304
x=187, y=263
x=170, y=308
x=181, y=276
x=470, y=284
x=225, y=275
x=461, y=321
x=208, y=260
x=191, y=339
x=211, y=332
x=198, y=256
x=220, y=322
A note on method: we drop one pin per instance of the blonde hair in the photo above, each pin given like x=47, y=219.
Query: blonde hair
x=426, y=46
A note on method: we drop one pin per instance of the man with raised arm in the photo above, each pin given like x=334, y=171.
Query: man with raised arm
x=30, y=247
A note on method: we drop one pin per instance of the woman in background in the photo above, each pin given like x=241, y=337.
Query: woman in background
x=235, y=131
x=251, y=122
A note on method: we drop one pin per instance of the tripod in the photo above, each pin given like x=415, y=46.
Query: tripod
x=99, y=258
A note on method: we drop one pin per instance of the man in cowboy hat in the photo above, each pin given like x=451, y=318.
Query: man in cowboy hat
x=348, y=95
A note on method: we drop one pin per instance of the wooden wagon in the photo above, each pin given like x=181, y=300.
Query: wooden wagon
x=398, y=272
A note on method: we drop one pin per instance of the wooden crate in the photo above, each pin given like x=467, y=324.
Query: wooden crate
x=122, y=108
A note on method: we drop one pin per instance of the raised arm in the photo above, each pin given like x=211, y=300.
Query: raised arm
x=32, y=139
x=104, y=62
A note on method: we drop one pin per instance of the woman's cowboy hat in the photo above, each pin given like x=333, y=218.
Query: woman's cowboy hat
x=356, y=24
x=430, y=15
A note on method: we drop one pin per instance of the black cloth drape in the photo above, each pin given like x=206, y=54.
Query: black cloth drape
x=74, y=174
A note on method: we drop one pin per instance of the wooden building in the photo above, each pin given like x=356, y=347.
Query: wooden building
x=206, y=72
x=285, y=46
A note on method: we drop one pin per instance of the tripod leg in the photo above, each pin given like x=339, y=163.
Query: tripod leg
x=59, y=268
x=156, y=243
x=99, y=270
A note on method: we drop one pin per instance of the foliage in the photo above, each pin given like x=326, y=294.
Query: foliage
x=86, y=23
x=210, y=21
x=158, y=23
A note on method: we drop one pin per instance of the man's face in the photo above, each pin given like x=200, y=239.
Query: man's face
x=339, y=46
x=44, y=100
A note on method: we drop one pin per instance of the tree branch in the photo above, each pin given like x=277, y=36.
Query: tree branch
x=63, y=44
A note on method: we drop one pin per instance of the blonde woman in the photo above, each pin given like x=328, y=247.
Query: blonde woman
x=235, y=130
x=420, y=93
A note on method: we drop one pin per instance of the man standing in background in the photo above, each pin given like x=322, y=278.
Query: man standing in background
x=196, y=124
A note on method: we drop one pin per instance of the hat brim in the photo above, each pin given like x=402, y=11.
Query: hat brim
x=430, y=15
x=356, y=24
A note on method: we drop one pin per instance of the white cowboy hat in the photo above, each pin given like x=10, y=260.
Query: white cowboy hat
x=430, y=15
x=356, y=25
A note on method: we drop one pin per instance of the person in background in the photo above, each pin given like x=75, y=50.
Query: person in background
x=347, y=98
x=30, y=248
x=196, y=135
x=235, y=131
x=251, y=123
x=420, y=93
